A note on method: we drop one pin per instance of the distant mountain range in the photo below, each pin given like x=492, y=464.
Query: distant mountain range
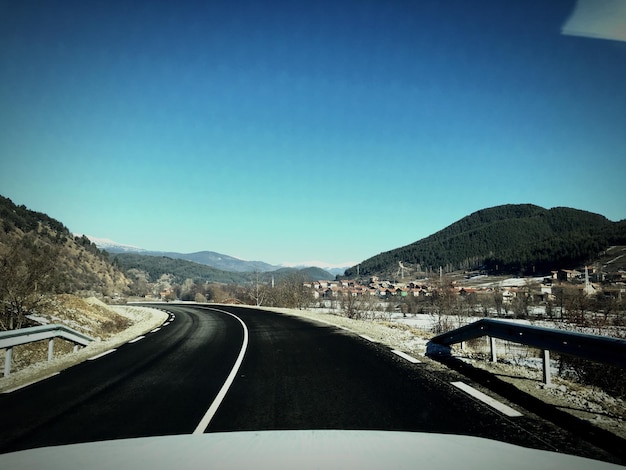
x=209, y=258
x=181, y=270
x=509, y=239
x=520, y=239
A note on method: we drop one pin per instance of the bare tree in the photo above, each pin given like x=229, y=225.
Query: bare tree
x=216, y=292
x=498, y=300
x=28, y=274
x=290, y=292
x=259, y=292
x=350, y=306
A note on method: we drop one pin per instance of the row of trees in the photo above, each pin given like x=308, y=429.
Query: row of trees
x=288, y=291
x=20, y=217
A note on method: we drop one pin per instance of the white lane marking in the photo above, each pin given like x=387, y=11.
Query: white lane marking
x=155, y=330
x=165, y=324
x=492, y=402
x=102, y=354
x=208, y=416
x=367, y=338
x=406, y=356
x=136, y=339
x=30, y=383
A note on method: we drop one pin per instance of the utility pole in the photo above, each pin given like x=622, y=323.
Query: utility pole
x=257, y=289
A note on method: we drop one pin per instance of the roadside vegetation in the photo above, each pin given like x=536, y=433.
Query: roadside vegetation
x=41, y=261
x=572, y=310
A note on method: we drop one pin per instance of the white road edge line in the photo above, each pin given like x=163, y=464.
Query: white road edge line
x=155, y=330
x=136, y=339
x=31, y=383
x=208, y=416
x=492, y=402
x=406, y=356
x=102, y=354
x=367, y=338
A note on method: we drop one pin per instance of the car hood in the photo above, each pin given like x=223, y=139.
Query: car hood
x=296, y=449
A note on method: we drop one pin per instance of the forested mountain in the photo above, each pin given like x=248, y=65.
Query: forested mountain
x=39, y=256
x=156, y=266
x=210, y=258
x=222, y=262
x=518, y=239
x=310, y=274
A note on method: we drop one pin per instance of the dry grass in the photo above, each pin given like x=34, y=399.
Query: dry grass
x=30, y=361
x=89, y=316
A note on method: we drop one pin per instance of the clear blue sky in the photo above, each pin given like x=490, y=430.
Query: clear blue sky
x=303, y=130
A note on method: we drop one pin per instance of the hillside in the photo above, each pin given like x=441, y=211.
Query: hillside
x=218, y=261
x=515, y=239
x=156, y=266
x=308, y=274
x=75, y=264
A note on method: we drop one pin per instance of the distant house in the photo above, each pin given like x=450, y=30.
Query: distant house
x=547, y=292
x=466, y=291
x=507, y=295
x=616, y=277
x=382, y=292
x=568, y=274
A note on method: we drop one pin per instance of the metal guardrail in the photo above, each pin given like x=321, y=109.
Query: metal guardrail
x=11, y=338
x=592, y=347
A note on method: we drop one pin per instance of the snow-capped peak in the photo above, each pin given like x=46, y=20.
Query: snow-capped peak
x=107, y=244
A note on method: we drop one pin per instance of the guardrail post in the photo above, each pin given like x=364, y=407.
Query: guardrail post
x=607, y=350
x=11, y=338
x=50, y=349
x=7, y=361
x=547, y=380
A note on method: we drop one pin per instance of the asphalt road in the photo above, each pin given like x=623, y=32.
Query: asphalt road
x=159, y=385
x=295, y=374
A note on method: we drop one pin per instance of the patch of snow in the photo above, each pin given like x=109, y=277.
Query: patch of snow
x=104, y=243
x=39, y=319
x=319, y=264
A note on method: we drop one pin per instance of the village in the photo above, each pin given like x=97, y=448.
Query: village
x=583, y=290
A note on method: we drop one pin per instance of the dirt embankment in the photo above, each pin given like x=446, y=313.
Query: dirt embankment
x=110, y=325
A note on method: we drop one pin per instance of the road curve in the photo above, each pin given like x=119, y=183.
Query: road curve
x=162, y=384
x=294, y=374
